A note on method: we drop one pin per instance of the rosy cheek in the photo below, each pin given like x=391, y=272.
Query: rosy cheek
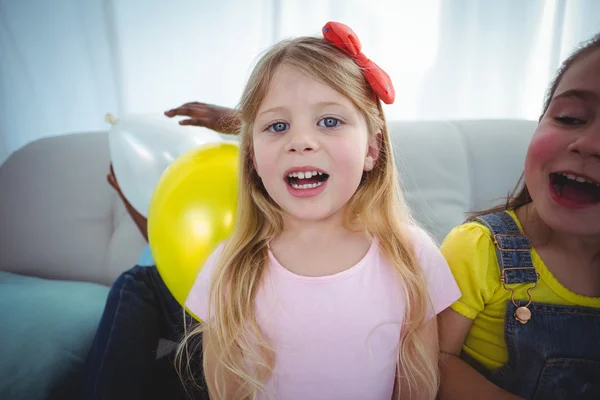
x=543, y=148
x=348, y=155
x=263, y=162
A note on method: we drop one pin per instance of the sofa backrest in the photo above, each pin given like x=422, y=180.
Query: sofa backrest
x=60, y=219
x=449, y=168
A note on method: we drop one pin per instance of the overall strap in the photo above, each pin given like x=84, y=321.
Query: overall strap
x=513, y=248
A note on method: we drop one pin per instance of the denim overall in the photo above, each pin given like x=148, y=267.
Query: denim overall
x=556, y=353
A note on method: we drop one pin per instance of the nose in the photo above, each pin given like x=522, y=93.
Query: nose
x=588, y=143
x=301, y=141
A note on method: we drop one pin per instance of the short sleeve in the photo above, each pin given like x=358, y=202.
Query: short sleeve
x=442, y=287
x=198, y=298
x=471, y=255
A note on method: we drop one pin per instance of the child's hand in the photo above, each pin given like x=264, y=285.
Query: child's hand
x=217, y=118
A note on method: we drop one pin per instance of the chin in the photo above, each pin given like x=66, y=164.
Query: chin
x=569, y=222
x=310, y=215
x=314, y=211
x=562, y=214
x=318, y=208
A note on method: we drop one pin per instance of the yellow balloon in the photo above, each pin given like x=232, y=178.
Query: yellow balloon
x=191, y=211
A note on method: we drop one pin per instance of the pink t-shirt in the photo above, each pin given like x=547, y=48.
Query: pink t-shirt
x=336, y=336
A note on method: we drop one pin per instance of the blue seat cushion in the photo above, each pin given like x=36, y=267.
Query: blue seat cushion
x=46, y=330
x=146, y=259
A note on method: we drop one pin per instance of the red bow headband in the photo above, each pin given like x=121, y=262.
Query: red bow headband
x=342, y=37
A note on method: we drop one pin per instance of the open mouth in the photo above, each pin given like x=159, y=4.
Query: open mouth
x=306, y=179
x=576, y=189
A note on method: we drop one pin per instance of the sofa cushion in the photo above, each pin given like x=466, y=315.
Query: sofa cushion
x=60, y=217
x=146, y=259
x=449, y=168
x=47, y=329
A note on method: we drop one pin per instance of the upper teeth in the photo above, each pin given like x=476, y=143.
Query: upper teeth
x=579, y=179
x=304, y=175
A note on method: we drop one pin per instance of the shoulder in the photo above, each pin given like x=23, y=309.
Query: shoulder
x=197, y=299
x=427, y=250
x=442, y=287
x=466, y=241
x=470, y=252
x=422, y=241
x=471, y=255
x=471, y=229
x=212, y=261
x=475, y=233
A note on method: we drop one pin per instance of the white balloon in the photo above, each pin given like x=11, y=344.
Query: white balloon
x=143, y=146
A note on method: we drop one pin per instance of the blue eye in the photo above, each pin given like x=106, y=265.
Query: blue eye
x=278, y=127
x=329, y=122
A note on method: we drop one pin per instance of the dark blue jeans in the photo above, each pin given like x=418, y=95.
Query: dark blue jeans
x=122, y=361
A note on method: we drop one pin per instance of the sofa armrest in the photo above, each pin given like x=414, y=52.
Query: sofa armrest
x=60, y=218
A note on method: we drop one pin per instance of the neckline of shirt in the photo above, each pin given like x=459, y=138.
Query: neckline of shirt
x=364, y=261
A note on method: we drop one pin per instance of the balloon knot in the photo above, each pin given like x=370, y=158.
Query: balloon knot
x=110, y=118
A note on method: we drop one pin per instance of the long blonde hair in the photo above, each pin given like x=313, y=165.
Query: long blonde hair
x=378, y=205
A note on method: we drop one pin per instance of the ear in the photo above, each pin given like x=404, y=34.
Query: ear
x=373, y=149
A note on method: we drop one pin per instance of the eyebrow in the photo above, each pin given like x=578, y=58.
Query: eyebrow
x=329, y=103
x=578, y=94
x=273, y=109
x=317, y=105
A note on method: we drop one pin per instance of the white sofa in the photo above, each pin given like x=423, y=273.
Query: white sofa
x=60, y=220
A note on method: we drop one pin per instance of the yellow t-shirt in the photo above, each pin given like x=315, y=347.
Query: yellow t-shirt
x=471, y=254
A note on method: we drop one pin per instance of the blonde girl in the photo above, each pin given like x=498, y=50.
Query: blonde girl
x=325, y=289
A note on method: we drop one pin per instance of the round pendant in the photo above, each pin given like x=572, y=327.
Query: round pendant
x=522, y=314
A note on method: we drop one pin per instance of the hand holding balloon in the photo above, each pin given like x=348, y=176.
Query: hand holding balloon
x=220, y=119
x=142, y=147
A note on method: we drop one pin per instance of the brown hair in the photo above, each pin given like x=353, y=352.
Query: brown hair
x=520, y=194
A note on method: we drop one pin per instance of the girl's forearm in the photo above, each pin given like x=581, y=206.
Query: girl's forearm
x=460, y=381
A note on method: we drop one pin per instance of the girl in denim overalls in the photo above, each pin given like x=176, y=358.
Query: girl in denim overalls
x=528, y=322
